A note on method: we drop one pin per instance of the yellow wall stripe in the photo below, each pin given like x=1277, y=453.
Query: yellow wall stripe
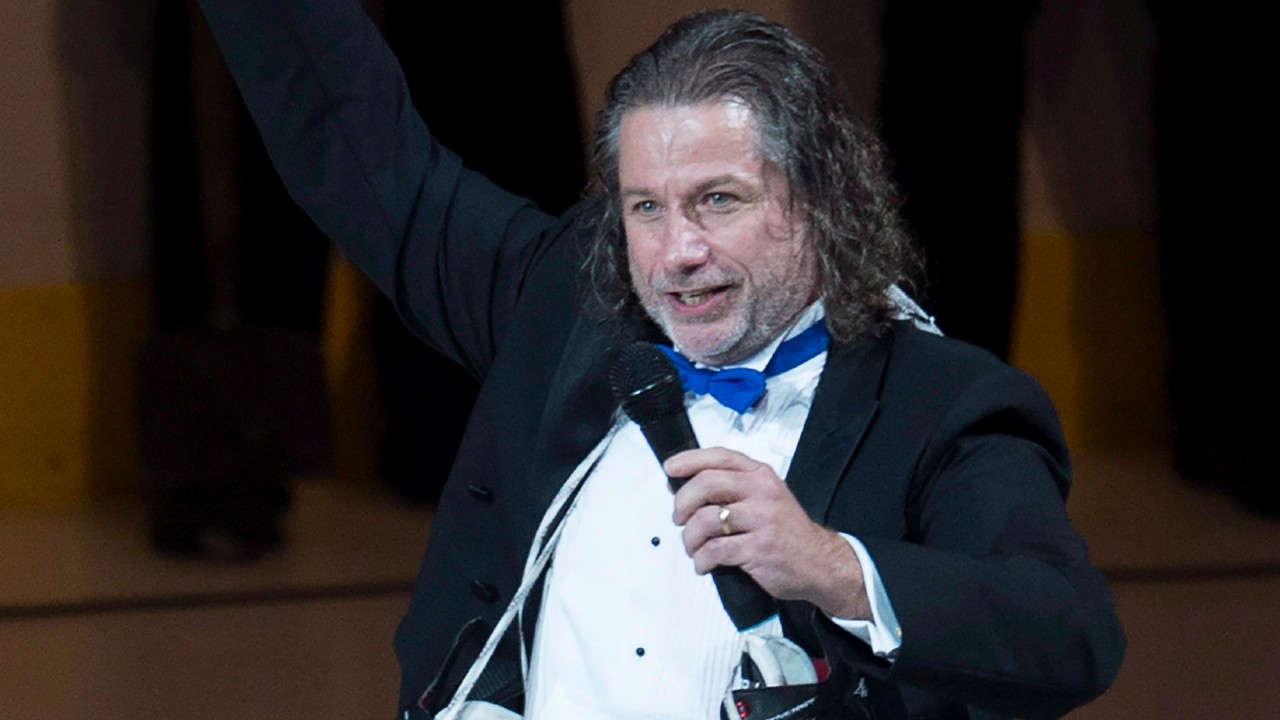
x=66, y=399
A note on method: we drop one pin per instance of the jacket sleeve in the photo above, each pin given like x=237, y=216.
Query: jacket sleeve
x=999, y=605
x=328, y=97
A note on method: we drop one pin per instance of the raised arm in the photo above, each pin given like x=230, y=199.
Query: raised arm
x=449, y=247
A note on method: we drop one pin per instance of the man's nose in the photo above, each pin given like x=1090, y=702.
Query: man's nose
x=685, y=241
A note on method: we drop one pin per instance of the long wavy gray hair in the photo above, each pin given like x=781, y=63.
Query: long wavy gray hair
x=836, y=169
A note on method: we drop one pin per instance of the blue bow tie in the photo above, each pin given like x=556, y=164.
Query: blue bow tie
x=740, y=388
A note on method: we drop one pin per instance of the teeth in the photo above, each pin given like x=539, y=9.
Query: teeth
x=693, y=298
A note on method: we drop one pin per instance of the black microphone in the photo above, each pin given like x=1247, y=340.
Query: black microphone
x=649, y=390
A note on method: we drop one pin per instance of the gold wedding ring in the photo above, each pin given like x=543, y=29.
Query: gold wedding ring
x=725, y=527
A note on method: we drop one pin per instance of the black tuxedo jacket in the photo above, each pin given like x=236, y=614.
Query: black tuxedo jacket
x=946, y=463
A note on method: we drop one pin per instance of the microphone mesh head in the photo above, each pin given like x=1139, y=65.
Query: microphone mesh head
x=646, y=384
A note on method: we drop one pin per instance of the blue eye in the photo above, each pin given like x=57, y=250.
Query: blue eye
x=645, y=207
x=719, y=199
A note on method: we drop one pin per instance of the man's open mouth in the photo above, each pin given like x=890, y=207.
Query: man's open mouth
x=694, y=301
x=696, y=298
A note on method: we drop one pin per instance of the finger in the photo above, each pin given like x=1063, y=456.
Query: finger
x=713, y=552
x=707, y=488
x=692, y=462
x=701, y=528
x=710, y=556
x=721, y=487
x=720, y=551
x=714, y=522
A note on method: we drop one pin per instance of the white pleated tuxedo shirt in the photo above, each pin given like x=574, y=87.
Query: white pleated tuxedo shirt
x=627, y=628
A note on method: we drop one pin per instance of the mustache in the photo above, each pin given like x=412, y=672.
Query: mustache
x=694, y=280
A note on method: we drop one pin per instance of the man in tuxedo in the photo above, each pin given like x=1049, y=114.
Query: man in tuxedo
x=900, y=494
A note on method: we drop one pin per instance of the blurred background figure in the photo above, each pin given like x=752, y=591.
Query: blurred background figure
x=231, y=390
x=1211, y=136
x=951, y=113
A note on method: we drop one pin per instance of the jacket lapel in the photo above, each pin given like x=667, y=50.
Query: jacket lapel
x=580, y=404
x=844, y=406
x=580, y=409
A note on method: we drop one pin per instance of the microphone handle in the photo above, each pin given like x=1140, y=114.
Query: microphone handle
x=747, y=603
x=669, y=436
x=744, y=600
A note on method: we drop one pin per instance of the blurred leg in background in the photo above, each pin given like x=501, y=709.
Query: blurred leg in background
x=1214, y=131
x=232, y=397
x=951, y=110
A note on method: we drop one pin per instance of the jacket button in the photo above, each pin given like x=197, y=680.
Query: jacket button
x=483, y=591
x=482, y=494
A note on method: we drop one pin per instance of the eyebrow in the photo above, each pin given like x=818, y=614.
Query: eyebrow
x=632, y=192
x=708, y=184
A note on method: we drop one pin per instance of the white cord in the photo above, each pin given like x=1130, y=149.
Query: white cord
x=536, y=562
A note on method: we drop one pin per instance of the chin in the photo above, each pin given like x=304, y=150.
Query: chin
x=721, y=349
x=715, y=342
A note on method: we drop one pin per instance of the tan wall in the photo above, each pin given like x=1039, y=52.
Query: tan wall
x=72, y=130
x=74, y=305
